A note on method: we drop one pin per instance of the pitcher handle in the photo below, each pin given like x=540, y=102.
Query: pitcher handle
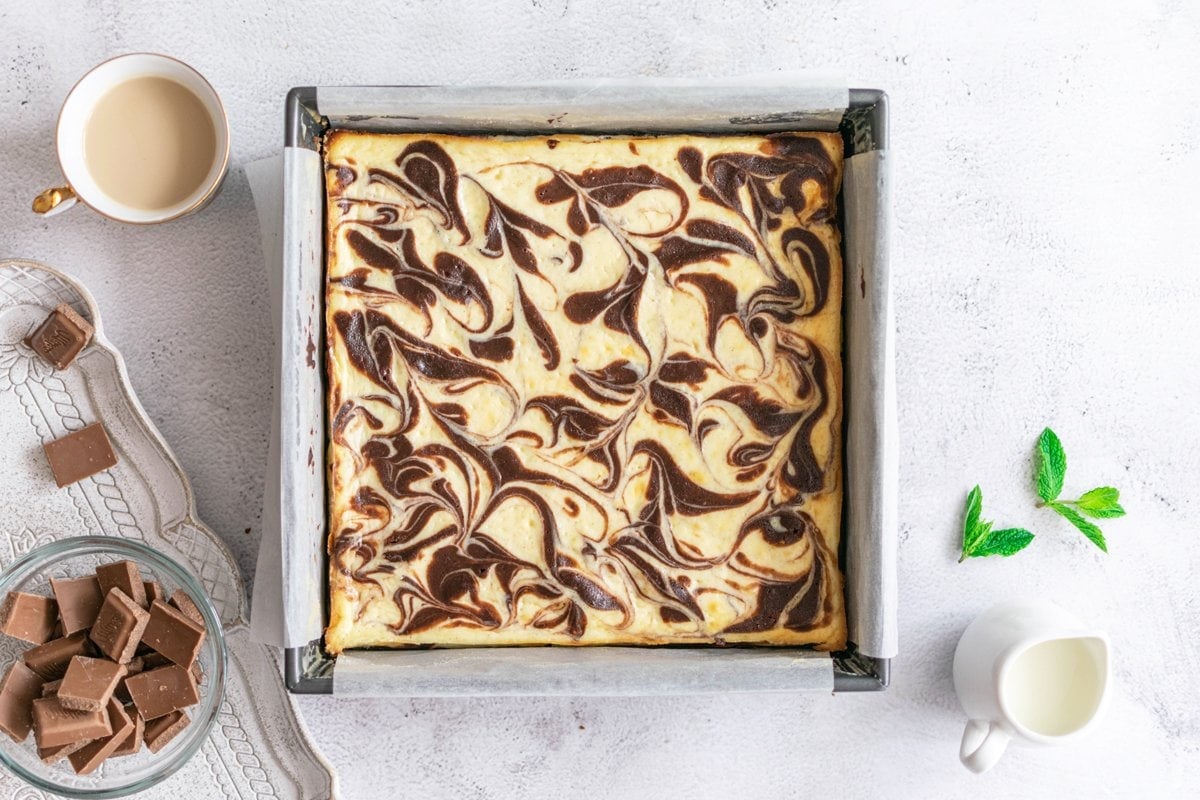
x=54, y=201
x=983, y=743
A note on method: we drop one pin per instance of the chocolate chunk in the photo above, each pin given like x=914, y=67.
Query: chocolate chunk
x=50, y=689
x=18, y=690
x=119, y=626
x=183, y=601
x=54, y=725
x=161, y=731
x=80, y=454
x=79, y=601
x=154, y=591
x=51, y=755
x=123, y=575
x=50, y=660
x=133, y=741
x=88, y=758
x=89, y=683
x=173, y=635
x=160, y=691
x=61, y=337
x=29, y=617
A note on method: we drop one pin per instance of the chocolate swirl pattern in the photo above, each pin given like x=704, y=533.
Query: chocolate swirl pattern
x=584, y=390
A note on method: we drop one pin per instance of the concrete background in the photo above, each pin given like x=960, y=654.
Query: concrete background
x=1046, y=166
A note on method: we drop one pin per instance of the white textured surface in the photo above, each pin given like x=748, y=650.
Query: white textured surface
x=1046, y=273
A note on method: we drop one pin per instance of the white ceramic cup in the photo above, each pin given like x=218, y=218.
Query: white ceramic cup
x=72, y=126
x=1028, y=671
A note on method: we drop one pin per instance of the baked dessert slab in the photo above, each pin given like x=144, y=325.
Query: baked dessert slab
x=584, y=390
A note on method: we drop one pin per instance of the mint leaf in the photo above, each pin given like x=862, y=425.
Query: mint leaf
x=982, y=530
x=1005, y=542
x=1101, y=503
x=1085, y=527
x=971, y=518
x=1052, y=466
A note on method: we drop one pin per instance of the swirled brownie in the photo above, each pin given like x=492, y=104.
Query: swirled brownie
x=584, y=390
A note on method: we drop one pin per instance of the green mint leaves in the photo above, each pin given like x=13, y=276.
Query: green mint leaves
x=1099, y=503
x=980, y=540
x=1103, y=502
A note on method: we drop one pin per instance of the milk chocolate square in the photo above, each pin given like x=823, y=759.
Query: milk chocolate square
x=183, y=601
x=158, y=692
x=51, y=755
x=161, y=731
x=79, y=602
x=50, y=660
x=50, y=688
x=54, y=725
x=61, y=337
x=20, y=687
x=89, y=683
x=123, y=575
x=119, y=626
x=133, y=741
x=80, y=454
x=154, y=591
x=172, y=634
x=86, y=759
x=29, y=617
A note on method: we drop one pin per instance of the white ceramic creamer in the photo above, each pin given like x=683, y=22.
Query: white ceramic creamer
x=1028, y=670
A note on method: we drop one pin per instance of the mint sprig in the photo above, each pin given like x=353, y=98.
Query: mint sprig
x=980, y=540
x=1103, y=502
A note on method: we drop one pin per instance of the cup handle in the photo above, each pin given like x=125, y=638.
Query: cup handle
x=983, y=743
x=54, y=201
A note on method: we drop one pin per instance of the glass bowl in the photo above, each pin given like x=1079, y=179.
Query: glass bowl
x=116, y=777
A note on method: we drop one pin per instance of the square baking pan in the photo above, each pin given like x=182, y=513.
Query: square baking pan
x=868, y=541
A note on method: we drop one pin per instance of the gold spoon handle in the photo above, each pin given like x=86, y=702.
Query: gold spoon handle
x=54, y=201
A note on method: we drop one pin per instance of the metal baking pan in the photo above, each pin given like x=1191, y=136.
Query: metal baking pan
x=867, y=552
